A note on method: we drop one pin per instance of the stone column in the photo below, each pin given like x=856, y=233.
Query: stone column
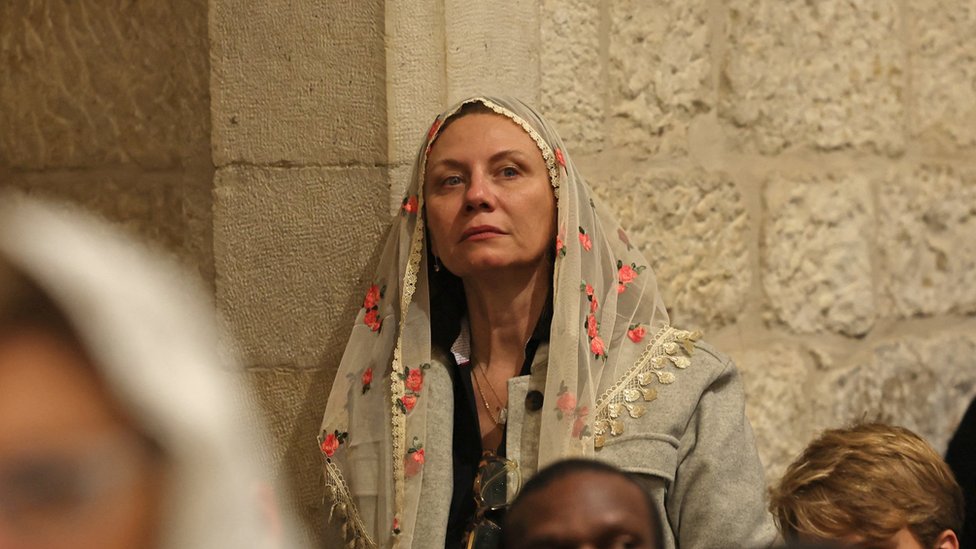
x=300, y=197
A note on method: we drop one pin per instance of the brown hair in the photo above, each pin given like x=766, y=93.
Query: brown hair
x=869, y=480
x=23, y=304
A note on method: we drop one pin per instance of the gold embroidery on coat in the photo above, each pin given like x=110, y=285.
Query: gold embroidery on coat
x=628, y=396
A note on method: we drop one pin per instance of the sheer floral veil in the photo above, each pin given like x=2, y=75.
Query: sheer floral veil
x=609, y=342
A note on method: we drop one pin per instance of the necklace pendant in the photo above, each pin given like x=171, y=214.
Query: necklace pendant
x=502, y=416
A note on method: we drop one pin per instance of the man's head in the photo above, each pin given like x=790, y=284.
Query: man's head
x=580, y=503
x=872, y=485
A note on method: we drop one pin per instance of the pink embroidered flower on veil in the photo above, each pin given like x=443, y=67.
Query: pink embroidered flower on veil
x=408, y=401
x=591, y=327
x=566, y=402
x=585, y=240
x=413, y=462
x=372, y=297
x=598, y=348
x=331, y=442
x=367, y=379
x=410, y=204
x=415, y=380
x=371, y=303
x=626, y=274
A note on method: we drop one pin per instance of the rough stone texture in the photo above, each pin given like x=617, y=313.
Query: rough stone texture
x=778, y=402
x=816, y=254
x=96, y=83
x=693, y=227
x=570, y=67
x=289, y=249
x=825, y=75
x=293, y=401
x=942, y=43
x=298, y=82
x=492, y=48
x=922, y=383
x=926, y=241
x=660, y=72
x=168, y=209
x=415, y=74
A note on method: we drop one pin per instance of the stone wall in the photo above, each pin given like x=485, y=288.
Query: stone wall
x=108, y=106
x=798, y=173
x=800, y=176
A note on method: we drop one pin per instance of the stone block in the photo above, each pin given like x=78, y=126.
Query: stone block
x=927, y=248
x=298, y=82
x=170, y=210
x=292, y=402
x=694, y=229
x=923, y=383
x=660, y=72
x=778, y=402
x=415, y=74
x=492, y=48
x=289, y=248
x=573, y=93
x=93, y=83
x=823, y=75
x=816, y=253
x=942, y=41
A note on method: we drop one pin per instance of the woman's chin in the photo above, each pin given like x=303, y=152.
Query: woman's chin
x=492, y=266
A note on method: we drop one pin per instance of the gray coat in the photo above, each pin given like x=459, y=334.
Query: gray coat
x=693, y=452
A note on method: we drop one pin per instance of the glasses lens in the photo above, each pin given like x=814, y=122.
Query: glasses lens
x=500, y=481
x=486, y=535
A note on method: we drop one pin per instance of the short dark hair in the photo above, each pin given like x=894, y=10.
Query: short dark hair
x=565, y=468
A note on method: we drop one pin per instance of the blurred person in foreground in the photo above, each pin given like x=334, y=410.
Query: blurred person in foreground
x=961, y=457
x=119, y=428
x=869, y=485
x=578, y=504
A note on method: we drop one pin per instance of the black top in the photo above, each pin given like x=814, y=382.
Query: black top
x=961, y=457
x=467, y=450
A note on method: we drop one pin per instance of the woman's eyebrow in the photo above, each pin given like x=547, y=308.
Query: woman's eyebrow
x=507, y=152
x=446, y=162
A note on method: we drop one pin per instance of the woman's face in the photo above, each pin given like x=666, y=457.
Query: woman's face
x=489, y=202
x=73, y=473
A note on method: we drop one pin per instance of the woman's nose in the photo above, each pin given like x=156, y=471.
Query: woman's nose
x=480, y=194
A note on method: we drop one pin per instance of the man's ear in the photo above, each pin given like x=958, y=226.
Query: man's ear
x=947, y=540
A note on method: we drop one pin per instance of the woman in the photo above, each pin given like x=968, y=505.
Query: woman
x=118, y=427
x=510, y=314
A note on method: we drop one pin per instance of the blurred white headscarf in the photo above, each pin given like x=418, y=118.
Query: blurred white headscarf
x=152, y=339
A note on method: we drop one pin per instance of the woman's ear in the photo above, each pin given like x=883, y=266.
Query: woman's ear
x=947, y=540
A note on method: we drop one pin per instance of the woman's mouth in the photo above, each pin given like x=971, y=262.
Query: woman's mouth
x=481, y=232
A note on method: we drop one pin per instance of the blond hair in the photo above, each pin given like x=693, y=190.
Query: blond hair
x=869, y=480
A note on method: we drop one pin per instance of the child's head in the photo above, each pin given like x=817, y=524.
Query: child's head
x=870, y=484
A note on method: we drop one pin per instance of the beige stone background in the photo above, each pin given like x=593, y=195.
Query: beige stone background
x=801, y=174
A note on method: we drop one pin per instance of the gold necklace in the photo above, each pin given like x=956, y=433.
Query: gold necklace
x=502, y=414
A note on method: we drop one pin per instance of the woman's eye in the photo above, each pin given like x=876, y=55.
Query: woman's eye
x=509, y=172
x=451, y=181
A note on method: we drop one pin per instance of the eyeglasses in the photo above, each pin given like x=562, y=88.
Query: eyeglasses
x=497, y=481
x=48, y=493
